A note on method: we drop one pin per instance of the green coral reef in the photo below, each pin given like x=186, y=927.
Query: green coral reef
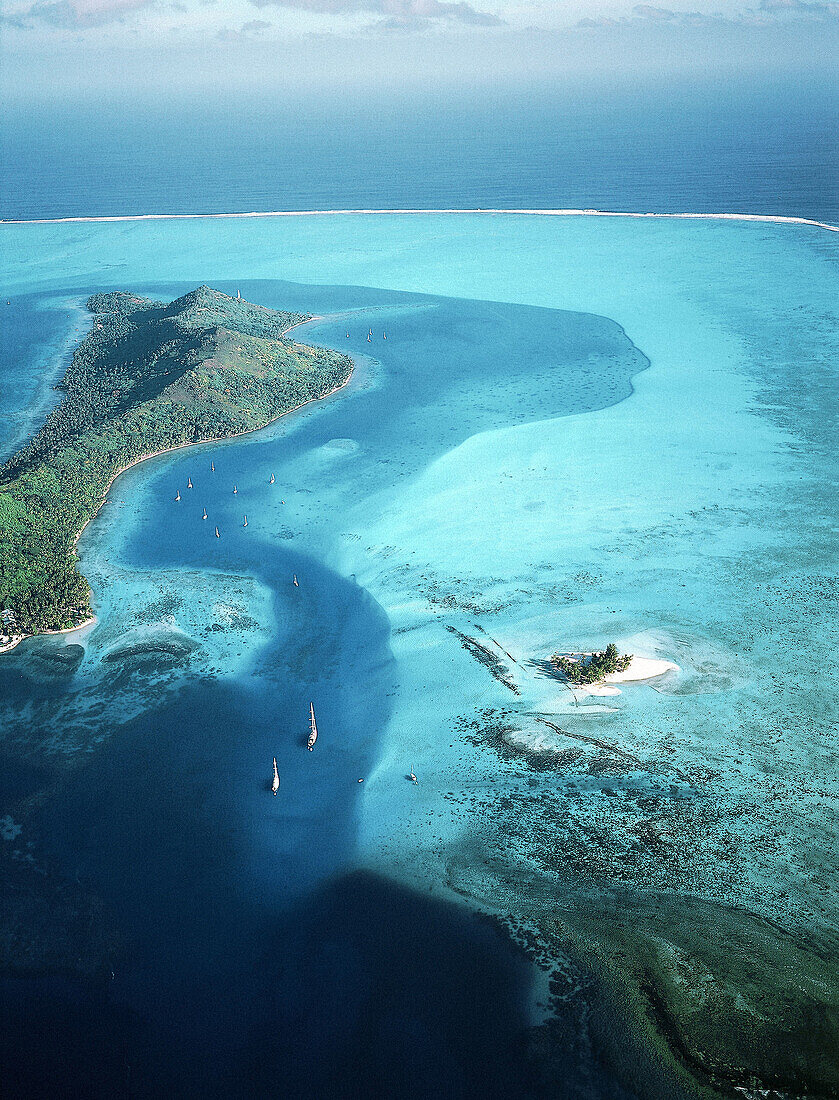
x=592, y=667
x=148, y=377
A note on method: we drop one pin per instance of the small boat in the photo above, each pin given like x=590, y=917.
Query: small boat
x=271, y=480
x=384, y=336
x=189, y=483
x=275, y=782
x=246, y=522
x=178, y=495
x=369, y=339
x=412, y=777
x=218, y=536
x=313, y=730
x=212, y=467
x=238, y=299
x=348, y=336
x=205, y=514
x=235, y=490
x=296, y=585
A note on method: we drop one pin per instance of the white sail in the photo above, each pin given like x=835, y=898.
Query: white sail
x=275, y=783
x=313, y=732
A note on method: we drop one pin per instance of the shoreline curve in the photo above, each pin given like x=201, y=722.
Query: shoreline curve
x=774, y=219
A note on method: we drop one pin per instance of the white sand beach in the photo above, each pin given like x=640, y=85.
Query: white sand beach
x=641, y=668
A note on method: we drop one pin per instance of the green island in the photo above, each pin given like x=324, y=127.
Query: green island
x=148, y=377
x=590, y=668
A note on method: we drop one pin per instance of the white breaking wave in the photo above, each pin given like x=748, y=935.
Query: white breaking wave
x=782, y=219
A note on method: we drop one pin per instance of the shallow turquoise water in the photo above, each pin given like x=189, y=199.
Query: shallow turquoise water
x=576, y=431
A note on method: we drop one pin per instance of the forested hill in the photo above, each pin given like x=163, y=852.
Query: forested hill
x=147, y=377
x=138, y=350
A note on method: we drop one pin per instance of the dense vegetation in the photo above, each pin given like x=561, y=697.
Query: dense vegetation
x=592, y=667
x=147, y=377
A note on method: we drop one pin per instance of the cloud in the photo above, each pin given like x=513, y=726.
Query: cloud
x=653, y=14
x=764, y=14
x=801, y=7
x=75, y=14
x=394, y=15
x=13, y=19
x=247, y=30
x=397, y=14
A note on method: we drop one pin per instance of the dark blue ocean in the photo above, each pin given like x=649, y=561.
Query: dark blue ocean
x=743, y=148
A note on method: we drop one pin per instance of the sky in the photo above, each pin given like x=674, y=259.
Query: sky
x=124, y=21
x=81, y=48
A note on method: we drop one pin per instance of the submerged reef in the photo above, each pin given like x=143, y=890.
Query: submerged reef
x=604, y=854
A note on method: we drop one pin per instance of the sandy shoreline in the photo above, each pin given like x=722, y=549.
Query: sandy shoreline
x=168, y=450
x=200, y=442
x=641, y=668
x=781, y=219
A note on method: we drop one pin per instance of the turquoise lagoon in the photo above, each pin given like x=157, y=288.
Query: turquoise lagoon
x=576, y=431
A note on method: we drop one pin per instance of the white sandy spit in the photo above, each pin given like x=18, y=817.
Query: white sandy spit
x=641, y=668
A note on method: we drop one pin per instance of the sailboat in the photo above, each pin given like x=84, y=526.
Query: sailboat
x=313, y=734
x=246, y=522
x=275, y=782
x=218, y=536
x=412, y=777
x=235, y=490
x=205, y=514
x=296, y=585
x=212, y=467
x=238, y=299
x=178, y=495
x=189, y=483
x=384, y=336
x=271, y=480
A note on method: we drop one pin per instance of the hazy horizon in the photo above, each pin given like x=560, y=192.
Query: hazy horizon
x=78, y=50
